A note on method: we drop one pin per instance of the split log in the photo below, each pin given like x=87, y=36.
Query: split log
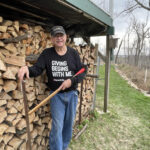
x=2, y=44
x=15, y=60
x=31, y=96
x=12, y=110
x=32, y=58
x=2, y=66
x=3, y=128
x=3, y=28
x=11, y=117
x=9, y=75
x=7, y=138
x=3, y=102
x=7, y=23
x=17, y=39
x=11, y=48
x=19, y=106
x=5, y=35
x=9, y=86
x=1, y=19
x=11, y=130
x=10, y=104
x=15, y=142
x=24, y=26
x=17, y=94
x=3, y=115
x=4, y=52
x=38, y=29
x=21, y=124
x=1, y=82
x=23, y=146
x=16, y=25
x=4, y=96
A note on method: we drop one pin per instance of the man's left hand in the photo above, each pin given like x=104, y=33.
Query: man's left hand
x=66, y=84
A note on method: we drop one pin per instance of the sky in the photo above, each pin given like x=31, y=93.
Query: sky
x=120, y=22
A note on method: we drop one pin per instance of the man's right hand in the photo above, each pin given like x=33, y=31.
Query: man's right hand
x=23, y=71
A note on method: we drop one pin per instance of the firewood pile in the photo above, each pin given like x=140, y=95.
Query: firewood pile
x=17, y=41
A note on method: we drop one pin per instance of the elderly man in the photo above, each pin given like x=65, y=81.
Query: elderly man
x=61, y=63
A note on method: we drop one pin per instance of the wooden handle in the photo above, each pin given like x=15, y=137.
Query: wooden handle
x=44, y=101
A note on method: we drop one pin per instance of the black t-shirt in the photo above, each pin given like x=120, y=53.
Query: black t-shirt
x=58, y=68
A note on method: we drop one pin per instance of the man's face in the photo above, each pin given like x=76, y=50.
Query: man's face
x=59, y=40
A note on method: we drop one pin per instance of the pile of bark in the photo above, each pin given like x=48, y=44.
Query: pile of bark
x=17, y=41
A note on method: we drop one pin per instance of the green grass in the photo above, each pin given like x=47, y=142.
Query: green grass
x=125, y=127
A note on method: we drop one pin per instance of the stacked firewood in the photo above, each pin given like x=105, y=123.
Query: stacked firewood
x=17, y=41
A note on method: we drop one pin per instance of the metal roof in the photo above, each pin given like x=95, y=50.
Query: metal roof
x=79, y=17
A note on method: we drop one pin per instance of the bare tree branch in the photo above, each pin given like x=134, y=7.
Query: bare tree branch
x=142, y=5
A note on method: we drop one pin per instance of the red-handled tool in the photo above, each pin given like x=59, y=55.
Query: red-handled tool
x=53, y=94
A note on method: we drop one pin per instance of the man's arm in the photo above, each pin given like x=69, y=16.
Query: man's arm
x=79, y=65
x=33, y=71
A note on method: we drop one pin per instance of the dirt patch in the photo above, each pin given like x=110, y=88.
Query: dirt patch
x=135, y=77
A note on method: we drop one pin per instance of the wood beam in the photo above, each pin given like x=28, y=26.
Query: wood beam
x=107, y=74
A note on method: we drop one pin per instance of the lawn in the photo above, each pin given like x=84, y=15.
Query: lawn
x=127, y=124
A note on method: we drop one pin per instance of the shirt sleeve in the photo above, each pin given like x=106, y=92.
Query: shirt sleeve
x=79, y=65
x=38, y=67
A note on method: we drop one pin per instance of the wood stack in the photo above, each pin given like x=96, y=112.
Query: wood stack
x=87, y=55
x=16, y=42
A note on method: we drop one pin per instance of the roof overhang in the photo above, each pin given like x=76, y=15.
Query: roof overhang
x=79, y=18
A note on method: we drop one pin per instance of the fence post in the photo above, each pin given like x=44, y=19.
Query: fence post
x=107, y=72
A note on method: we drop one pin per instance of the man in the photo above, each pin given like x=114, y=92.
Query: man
x=61, y=63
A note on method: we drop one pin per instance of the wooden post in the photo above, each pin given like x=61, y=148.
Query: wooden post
x=107, y=72
x=80, y=107
x=95, y=72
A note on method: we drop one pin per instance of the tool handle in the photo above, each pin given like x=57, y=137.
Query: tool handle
x=44, y=101
x=25, y=100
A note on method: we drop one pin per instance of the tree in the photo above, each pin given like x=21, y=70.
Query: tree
x=143, y=5
x=141, y=31
x=134, y=5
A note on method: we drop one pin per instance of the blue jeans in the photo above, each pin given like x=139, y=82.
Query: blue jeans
x=63, y=110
